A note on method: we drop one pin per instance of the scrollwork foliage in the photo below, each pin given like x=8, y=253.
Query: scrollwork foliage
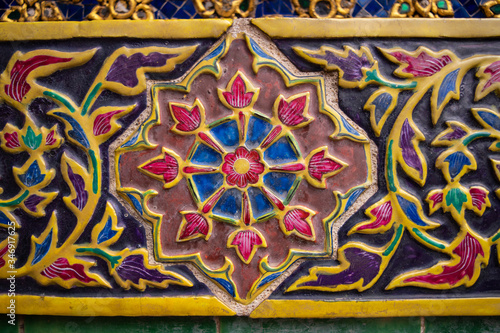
x=67, y=261
x=421, y=73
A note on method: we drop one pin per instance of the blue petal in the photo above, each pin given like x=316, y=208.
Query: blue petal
x=77, y=132
x=410, y=210
x=32, y=176
x=258, y=129
x=456, y=163
x=490, y=118
x=448, y=85
x=204, y=155
x=227, y=134
x=280, y=152
x=259, y=202
x=107, y=232
x=207, y=184
x=381, y=103
x=229, y=205
x=279, y=182
x=42, y=249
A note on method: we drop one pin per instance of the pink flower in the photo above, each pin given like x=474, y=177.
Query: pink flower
x=238, y=97
x=242, y=167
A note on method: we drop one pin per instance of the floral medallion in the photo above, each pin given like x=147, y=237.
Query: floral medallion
x=243, y=169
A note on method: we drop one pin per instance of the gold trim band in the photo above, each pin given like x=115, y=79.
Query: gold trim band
x=378, y=27
x=167, y=29
x=383, y=308
x=127, y=306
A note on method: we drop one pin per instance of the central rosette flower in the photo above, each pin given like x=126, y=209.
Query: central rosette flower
x=242, y=167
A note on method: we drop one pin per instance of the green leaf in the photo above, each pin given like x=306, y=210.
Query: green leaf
x=31, y=140
x=456, y=198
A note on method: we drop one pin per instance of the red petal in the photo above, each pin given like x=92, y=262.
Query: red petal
x=237, y=98
x=256, y=167
x=494, y=71
x=12, y=140
x=296, y=219
x=102, y=122
x=18, y=86
x=242, y=152
x=290, y=114
x=478, y=197
x=271, y=136
x=423, y=65
x=246, y=240
x=382, y=213
x=318, y=165
x=50, y=140
x=188, y=120
x=468, y=250
x=436, y=198
x=168, y=168
x=195, y=224
x=61, y=268
x=2, y=253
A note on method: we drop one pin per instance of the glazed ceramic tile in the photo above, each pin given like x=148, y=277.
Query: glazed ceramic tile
x=264, y=170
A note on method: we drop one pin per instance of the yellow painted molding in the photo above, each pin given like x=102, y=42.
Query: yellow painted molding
x=378, y=27
x=382, y=308
x=166, y=29
x=111, y=306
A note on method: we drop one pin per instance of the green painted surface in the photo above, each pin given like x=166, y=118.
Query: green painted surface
x=462, y=324
x=377, y=325
x=47, y=324
x=5, y=327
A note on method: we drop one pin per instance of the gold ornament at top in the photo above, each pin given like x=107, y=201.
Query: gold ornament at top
x=32, y=11
x=225, y=8
x=323, y=8
x=422, y=8
x=121, y=10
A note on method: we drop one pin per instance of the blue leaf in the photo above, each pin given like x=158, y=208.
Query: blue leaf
x=456, y=162
x=410, y=210
x=135, y=202
x=353, y=197
x=348, y=127
x=268, y=279
x=42, y=249
x=490, y=118
x=226, y=285
x=132, y=140
x=32, y=176
x=448, y=85
x=107, y=232
x=381, y=103
x=77, y=132
x=4, y=219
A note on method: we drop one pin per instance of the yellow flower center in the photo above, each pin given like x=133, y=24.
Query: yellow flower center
x=241, y=166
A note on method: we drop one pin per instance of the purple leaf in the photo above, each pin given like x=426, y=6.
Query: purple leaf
x=79, y=185
x=124, y=68
x=132, y=269
x=32, y=202
x=410, y=156
x=457, y=133
x=363, y=265
x=351, y=66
